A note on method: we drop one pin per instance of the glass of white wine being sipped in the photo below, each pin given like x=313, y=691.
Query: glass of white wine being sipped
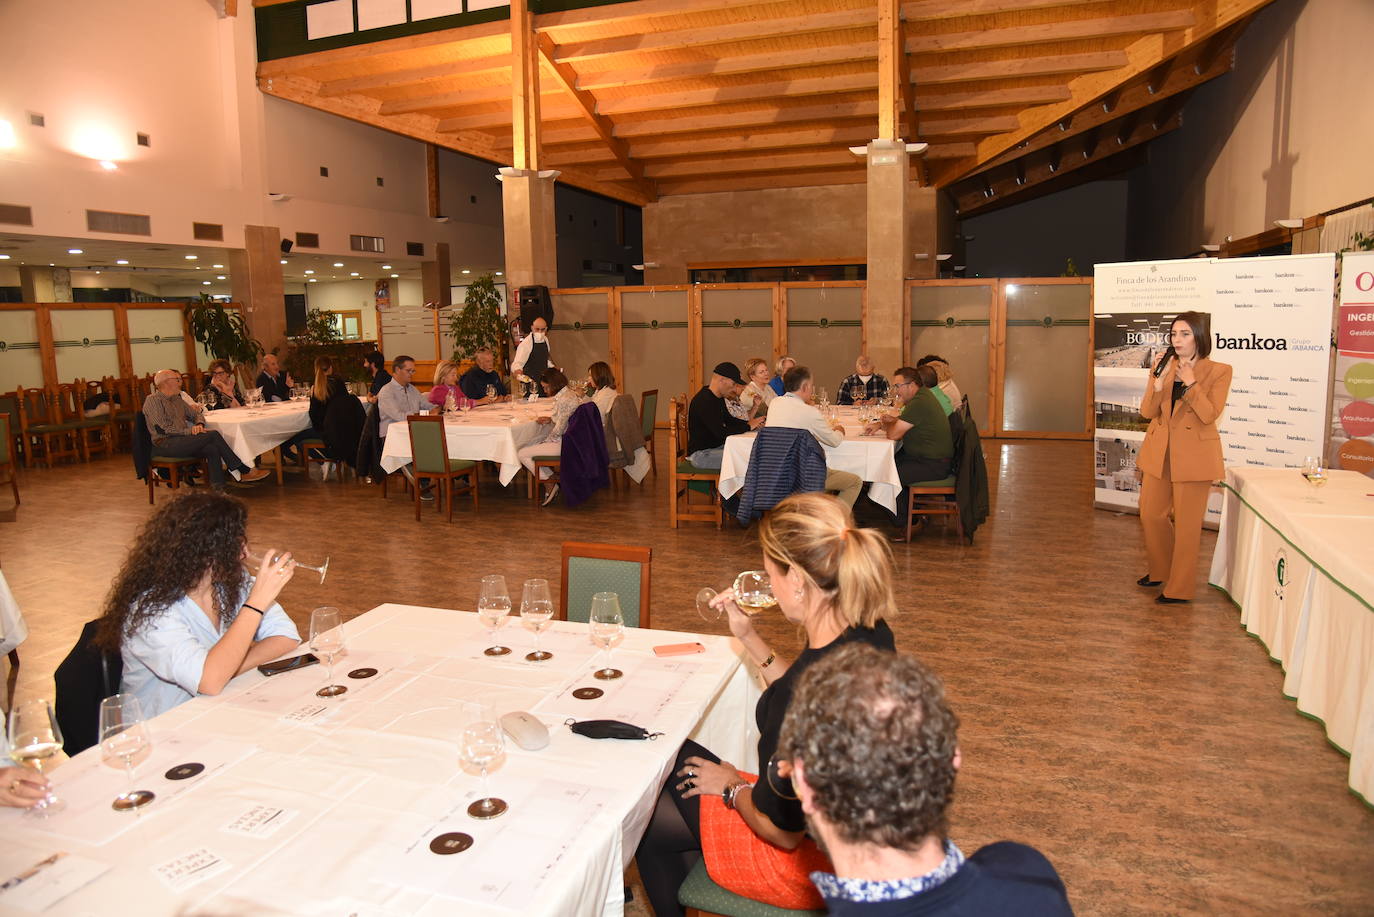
x=493, y=609
x=35, y=739
x=753, y=595
x=125, y=743
x=255, y=553
x=536, y=608
x=482, y=746
x=607, y=625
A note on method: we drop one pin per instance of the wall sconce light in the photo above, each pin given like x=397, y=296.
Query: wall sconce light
x=1288, y=224
x=278, y=196
x=641, y=267
x=1211, y=247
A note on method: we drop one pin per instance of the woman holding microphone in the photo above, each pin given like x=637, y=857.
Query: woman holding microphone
x=1181, y=455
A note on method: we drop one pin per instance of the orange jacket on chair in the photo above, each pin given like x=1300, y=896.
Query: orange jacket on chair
x=1186, y=432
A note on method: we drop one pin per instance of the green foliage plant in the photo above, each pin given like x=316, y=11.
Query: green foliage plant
x=223, y=332
x=479, y=323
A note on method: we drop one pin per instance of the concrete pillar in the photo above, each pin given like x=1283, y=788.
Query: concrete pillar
x=531, y=236
x=255, y=280
x=36, y=284
x=889, y=252
x=436, y=279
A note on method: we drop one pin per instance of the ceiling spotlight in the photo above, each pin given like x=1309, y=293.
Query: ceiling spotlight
x=192, y=257
x=283, y=261
x=338, y=264
x=75, y=251
x=310, y=272
x=353, y=274
x=466, y=271
x=217, y=266
x=221, y=277
x=395, y=275
x=122, y=261
x=205, y=283
x=313, y=280
x=4, y=257
x=499, y=274
x=386, y=267
x=107, y=165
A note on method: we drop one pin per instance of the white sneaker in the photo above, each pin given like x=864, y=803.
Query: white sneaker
x=325, y=470
x=549, y=499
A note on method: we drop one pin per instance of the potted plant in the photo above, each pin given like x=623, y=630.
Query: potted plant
x=479, y=323
x=222, y=332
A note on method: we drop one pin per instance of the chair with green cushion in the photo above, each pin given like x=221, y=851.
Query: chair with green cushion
x=648, y=413
x=589, y=568
x=704, y=898
x=931, y=498
x=538, y=483
x=306, y=450
x=429, y=455
x=40, y=427
x=686, y=478
x=93, y=434
x=7, y=454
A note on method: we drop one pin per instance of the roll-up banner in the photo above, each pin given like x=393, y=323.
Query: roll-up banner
x=1270, y=319
x=1352, y=401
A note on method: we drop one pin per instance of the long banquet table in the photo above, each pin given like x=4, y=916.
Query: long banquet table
x=1299, y=563
x=310, y=805
x=489, y=433
x=870, y=457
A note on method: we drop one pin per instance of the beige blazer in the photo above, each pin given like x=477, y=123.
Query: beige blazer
x=1187, y=433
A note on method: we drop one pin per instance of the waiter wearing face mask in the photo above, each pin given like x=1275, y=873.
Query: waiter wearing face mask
x=532, y=356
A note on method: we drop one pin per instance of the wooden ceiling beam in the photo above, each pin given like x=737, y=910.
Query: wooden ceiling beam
x=374, y=51
x=724, y=66
x=394, y=79
x=622, y=13
x=1051, y=32
x=771, y=89
x=443, y=100
x=1047, y=65
x=935, y=10
x=567, y=80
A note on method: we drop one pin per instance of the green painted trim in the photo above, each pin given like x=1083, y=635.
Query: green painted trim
x=161, y=340
x=830, y=323
x=958, y=323
x=25, y=345
x=742, y=324
x=93, y=343
x=582, y=326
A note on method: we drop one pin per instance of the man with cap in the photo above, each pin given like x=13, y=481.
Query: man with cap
x=709, y=420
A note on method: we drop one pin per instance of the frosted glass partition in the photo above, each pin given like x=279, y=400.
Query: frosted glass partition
x=408, y=330
x=580, y=334
x=825, y=331
x=84, y=343
x=156, y=340
x=21, y=363
x=656, y=354
x=736, y=325
x=1047, y=358
x=952, y=322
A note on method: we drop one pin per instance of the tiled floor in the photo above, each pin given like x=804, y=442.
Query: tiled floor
x=1147, y=751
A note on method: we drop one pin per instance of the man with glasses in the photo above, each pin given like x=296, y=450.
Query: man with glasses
x=177, y=428
x=397, y=399
x=926, y=448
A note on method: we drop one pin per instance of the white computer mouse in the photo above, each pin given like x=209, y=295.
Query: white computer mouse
x=526, y=730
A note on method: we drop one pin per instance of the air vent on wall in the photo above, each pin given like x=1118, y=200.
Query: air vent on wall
x=211, y=232
x=367, y=243
x=17, y=214
x=36, y=119
x=307, y=240
x=128, y=224
x=415, y=249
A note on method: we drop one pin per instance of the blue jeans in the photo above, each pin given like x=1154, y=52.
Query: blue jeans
x=708, y=458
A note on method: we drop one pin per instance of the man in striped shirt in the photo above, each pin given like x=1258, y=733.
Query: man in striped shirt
x=178, y=431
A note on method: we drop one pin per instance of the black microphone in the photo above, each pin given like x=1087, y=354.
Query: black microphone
x=1164, y=361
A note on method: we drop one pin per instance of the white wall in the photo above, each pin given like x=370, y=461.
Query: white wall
x=349, y=295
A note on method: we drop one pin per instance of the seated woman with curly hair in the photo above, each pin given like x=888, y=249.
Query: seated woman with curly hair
x=184, y=613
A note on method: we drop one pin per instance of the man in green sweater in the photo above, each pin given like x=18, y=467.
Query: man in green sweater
x=926, y=449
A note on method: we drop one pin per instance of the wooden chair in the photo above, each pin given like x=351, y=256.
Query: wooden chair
x=124, y=403
x=9, y=404
x=92, y=434
x=429, y=457
x=304, y=454
x=939, y=498
x=41, y=429
x=589, y=568
x=686, y=478
x=538, y=483
x=648, y=413
x=7, y=458
x=176, y=467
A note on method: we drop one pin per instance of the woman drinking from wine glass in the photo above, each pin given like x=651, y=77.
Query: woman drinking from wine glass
x=222, y=390
x=834, y=580
x=184, y=613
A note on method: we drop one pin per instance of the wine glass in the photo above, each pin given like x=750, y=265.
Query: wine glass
x=34, y=738
x=753, y=595
x=607, y=625
x=327, y=640
x=124, y=740
x=1315, y=473
x=823, y=398
x=536, y=608
x=481, y=746
x=857, y=393
x=491, y=393
x=253, y=561
x=493, y=607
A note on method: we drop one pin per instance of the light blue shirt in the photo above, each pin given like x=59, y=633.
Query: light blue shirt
x=163, y=662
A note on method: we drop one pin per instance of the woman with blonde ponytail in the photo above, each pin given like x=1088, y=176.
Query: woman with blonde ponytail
x=835, y=580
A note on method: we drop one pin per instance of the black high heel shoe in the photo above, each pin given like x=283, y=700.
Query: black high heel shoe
x=1147, y=582
x=1163, y=599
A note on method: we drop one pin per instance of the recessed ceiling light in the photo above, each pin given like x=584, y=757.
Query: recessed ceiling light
x=386, y=267
x=338, y=264
x=217, y=266
x=395, y=275
x=205, y=283
x=97, y=273
x=122, y=261
x=75, y=251
x=353, y=274
x=499, y=274
x=310, y=272
x=466, y=271
x=313, y=280
x=221, y=277
x=283, y=261
x=4, y=257
x=107, y=165
x=192, y=257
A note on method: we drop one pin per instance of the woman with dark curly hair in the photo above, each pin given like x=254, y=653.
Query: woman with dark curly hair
x=835, y=580
x=184, y=613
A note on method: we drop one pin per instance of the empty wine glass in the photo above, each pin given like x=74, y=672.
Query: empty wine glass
x=327, y=641
x=481, y=746
x=34, y=739
x=253, y=561
x=493, y=607
x=753, y=595
x=125, y=742
x=536, y=608
x=607, y=625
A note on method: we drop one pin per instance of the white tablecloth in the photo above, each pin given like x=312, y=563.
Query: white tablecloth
x=1300, y=564
x=490, y=433
x=13, y=629
x=366, y=785
x=870, y=457
x=252, y=431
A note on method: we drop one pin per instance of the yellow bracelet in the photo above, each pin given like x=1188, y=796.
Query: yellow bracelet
x=767, y=662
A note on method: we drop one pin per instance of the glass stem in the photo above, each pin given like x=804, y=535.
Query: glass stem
x=486, y=787
x=331, y=670
x=129, y=767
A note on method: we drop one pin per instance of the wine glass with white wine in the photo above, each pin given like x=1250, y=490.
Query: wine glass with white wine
x=255, y=553
x=493, y=610
x=1314, y=472
x=536, y=610
x=35, y=739
x=125, y=742
x=607, y=625
x=753, y=595
x=482, y=746
x=327, y=641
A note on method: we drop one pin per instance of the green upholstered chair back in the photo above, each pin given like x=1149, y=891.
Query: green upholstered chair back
x=428, y=448
x=648, y=411
x=6, y=438
x=589, y=568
